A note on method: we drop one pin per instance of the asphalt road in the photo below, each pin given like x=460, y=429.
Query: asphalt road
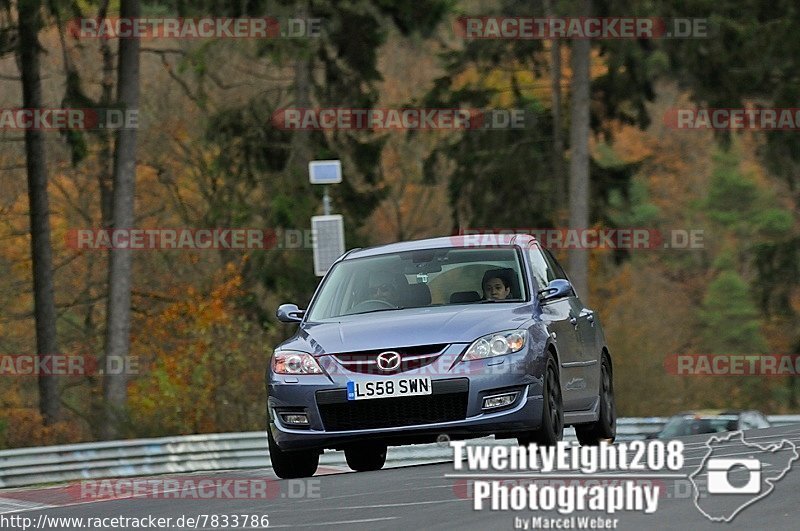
x=429, y=497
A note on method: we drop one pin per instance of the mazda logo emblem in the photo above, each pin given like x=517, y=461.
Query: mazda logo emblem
x=388, y=361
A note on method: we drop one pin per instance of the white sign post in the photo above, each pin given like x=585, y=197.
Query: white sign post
x=327, y=230
x=327, y=233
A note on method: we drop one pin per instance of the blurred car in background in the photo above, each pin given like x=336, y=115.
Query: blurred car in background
x=710, y=421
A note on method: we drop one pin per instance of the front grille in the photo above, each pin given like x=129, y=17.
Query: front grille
x=447, y=403
x=411, y=358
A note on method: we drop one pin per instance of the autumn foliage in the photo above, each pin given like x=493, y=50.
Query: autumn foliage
x=203, y=322
x=201, y=357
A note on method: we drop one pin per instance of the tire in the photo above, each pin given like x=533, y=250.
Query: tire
x=292, y=464
x=363, y=458
x=552, y=424
x=605, y=428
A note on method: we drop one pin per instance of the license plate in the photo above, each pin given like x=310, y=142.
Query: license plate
x=366, y=390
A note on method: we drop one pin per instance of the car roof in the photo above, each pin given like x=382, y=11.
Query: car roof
x=466, y=241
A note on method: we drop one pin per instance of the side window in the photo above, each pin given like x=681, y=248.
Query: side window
x=541, y=272
x=554, y=266
x=746, y=422
x=756, y=420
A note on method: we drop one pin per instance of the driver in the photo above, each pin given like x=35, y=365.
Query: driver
x=382, y=287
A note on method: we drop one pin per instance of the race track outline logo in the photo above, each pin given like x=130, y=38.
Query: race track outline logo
x=718, y=469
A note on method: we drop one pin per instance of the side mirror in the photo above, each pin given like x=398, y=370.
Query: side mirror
x=555, y=290
x=289, y=313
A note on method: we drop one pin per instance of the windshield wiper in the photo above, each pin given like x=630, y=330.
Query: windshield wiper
x=500, y=300
x=377, y=310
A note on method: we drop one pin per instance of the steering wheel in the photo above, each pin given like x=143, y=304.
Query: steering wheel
x=385, y=304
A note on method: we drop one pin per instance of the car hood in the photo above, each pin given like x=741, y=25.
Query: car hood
x=409, y=327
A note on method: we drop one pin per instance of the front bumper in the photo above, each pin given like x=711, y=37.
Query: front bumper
x=476, y=380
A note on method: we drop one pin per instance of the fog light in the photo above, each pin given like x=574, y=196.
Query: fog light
x=295, y=418
x=495, y=401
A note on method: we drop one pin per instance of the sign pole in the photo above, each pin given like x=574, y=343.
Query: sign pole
x=327, y=230
x=326, y=202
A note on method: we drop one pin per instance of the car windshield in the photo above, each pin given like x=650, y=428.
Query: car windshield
x=415, y=279
x=690, y=425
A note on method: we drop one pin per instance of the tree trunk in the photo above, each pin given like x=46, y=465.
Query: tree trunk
x=579, y=156
x=555, y=112
x=105, y=175
x=41, y=250
x=118, y=316
x=301, y=140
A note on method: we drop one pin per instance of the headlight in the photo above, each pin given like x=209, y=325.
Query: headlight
x=496, y=344
x=294, y=363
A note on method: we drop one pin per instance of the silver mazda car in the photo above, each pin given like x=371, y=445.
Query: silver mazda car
x=462, y=336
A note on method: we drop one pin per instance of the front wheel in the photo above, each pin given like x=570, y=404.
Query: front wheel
x=605, y=428
x=552, y=425
x=363, y=458
x=292, y=465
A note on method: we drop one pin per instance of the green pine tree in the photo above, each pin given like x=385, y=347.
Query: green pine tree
x=729, y=317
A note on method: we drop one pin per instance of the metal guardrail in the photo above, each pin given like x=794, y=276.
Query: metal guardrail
x=221, y=451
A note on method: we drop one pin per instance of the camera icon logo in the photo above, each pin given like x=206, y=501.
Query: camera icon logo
x=725, y=485
x=719, y=471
